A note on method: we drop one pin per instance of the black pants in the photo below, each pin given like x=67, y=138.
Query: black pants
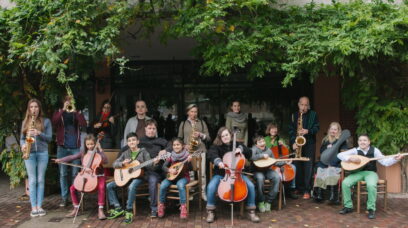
x=304, y=169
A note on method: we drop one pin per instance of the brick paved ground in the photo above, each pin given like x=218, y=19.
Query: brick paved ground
x=297, y=213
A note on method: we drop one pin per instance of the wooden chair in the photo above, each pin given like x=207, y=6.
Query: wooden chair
x=193, y=188
x=112, y=155
x=281, y=195
x=362, y=190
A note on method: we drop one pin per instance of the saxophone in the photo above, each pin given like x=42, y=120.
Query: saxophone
x=193, y=141
x=29, y=140
x=300, y=140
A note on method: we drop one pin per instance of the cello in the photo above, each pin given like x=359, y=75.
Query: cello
x=232, y=187
x=286, y=171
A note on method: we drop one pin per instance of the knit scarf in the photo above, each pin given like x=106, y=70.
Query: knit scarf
x=238, y=117
x=179, y=156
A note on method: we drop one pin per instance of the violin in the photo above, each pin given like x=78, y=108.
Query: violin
x=87, y=180
x=286, y=171
x=232, y=187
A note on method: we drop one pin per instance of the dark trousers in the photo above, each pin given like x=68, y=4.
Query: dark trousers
x=304, y=169
x=153, y=179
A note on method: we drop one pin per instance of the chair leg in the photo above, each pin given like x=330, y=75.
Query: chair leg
x=280, y=197
x=134, y=208
x=358, y=196
x=188, y=199
x=385, y=195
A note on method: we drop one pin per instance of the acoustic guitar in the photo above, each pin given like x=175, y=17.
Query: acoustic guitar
x=179, y=167
x=133, y=170
x=267, y=162
x=351, y=166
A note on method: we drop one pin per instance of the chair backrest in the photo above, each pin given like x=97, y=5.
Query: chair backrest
x=112, y=155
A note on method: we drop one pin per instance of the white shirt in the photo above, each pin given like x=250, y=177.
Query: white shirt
x=344, y=156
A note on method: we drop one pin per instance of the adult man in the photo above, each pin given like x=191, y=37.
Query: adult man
x=67, y=123
x=367, y=174
x=308, y=129
x=137, y=123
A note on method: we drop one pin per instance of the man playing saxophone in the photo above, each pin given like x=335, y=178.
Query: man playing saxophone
x=304, y=123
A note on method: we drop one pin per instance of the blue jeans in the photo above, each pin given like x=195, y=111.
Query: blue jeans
x=36, y=165
x=132, y=187
x=153, y=178
x=63, y=169
x=181, y=186
x=274, y=178
x=212, y=188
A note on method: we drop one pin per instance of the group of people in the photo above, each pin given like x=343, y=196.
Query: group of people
x=142, y=143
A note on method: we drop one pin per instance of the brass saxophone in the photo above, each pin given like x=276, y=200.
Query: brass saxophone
x=193, y=141
x=300, y=140
x=71, y=106
x=29, y=140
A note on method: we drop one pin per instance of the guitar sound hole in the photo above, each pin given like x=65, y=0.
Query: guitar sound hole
x=130, y=171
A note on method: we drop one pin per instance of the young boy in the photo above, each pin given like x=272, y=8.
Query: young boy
x=131, y=154
x=260, y=151
x=368, y=174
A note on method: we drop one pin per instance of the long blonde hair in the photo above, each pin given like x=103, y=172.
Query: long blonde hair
x=329, y=138
x=39, y=121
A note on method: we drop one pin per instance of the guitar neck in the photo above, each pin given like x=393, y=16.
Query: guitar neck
x=388, y=156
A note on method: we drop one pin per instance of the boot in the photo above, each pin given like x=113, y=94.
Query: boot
x=73, y=212
x=210, y=216
x=183, y=211
x=252, y=216
x=101, y=214
x=334, y=195
x=319, y=195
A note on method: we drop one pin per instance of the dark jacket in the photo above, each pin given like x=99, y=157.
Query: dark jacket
x=310, y=122
x=58, y=122
x=216, y=153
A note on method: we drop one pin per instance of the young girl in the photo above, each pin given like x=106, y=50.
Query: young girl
x=90, y=142
x=222, y=145
x=39, y=128
x=177, y=155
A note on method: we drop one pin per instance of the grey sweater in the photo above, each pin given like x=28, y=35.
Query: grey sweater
x=41, y=140
x=258, y=154
x=143, y=156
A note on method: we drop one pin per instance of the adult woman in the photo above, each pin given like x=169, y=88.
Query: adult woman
x=39, y=128
x=197, y=130
x=222, y=145
x=236, y=118
x=329, y=175
x=105, y=123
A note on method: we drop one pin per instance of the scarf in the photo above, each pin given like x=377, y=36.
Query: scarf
x=238, y=117
x=175, y=157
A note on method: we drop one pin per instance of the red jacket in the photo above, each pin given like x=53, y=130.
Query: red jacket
x=58, y=122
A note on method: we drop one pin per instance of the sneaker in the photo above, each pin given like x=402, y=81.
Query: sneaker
x=261, y=207
x=63, y=203
x=41, y=212
x=267, y=206
x=128, y=217
x=34, y=214
x=371, y=214
x=153, y=214
x=160, y=210
x=114, y=213
x=306, y=196
x=183, y=211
